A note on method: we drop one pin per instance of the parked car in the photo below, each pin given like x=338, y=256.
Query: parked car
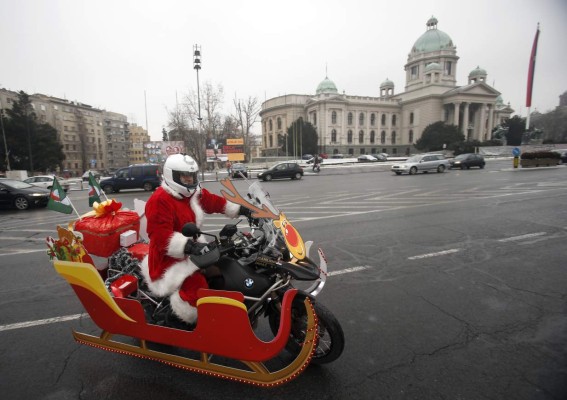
x=96, y=175
x=306, y=156
x=136, y=176
x=380, y=156
x=22, y=195
x=282, y=170
x=46, y=181
x=366, y=158
x=237, y=170
x=467, y=160
x=337, y=156
x=421, y=163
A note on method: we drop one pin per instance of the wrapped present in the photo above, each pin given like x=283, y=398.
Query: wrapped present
x=101, y=228
x=69, y=247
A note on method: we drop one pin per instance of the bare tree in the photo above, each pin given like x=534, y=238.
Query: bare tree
x=246, y=114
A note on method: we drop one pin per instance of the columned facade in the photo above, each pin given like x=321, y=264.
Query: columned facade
x=391, y=123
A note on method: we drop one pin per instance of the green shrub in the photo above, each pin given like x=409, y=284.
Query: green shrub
x=534, y=155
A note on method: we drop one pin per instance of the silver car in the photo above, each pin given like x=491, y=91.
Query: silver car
x=421, y=163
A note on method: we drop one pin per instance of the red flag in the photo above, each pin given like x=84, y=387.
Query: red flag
x=532, y=70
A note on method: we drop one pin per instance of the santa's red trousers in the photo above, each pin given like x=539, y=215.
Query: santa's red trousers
x=190, y=286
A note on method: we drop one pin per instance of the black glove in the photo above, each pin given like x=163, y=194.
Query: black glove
x=194, y=248
x=245, y=212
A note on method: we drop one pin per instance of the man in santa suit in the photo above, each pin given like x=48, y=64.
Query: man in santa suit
x=180, y=199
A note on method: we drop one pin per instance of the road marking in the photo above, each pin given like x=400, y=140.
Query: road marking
x=23, y=252
x=29, y=324
x=439, y=253
x=39, y=322
x=521, y=237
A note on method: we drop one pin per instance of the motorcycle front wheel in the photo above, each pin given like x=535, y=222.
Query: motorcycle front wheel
x=331, y=337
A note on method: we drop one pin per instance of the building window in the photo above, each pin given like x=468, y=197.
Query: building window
x=315, y=119
x=394, y=151
x=279, y=123
x=394, y=137
x=383, y=119
x=411, y=136
x=362, y=151
x=271, y=140
x=334, y=117
x=361, y=137
x=411, y=118
x=394, y=120
x=372, y=136
x=383, y=137
x=448, y=68
x=361, y=119
x=349, y=118
x=372, y=119
x=271, y=126
x=350, y=152
x=349, y=137
x=414, y=72
x=333, y=136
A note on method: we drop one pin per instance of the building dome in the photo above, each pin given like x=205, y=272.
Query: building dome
x=327, y=86
x=477, y=72
x=433, y=67
x=387, y=84
x=432, y=40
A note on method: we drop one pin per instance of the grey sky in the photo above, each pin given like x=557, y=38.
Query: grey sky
x=106, y=53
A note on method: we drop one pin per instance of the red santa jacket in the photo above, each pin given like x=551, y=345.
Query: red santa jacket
x=166, y=265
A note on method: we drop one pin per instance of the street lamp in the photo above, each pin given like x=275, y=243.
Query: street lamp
x=197, y=67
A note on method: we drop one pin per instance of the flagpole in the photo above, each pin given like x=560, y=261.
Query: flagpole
x=531, y=73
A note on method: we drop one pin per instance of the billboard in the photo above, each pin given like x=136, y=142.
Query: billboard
x=157, y=152
x=225, y=150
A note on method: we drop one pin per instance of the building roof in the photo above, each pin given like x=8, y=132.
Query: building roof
x=433, y=67
x=432, y=40
x=387, y=84
x=477, y=72
x=327, y=86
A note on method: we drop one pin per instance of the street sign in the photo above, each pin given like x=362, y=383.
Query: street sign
x=516, y=151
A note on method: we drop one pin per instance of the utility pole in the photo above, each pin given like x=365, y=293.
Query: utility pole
x=4, y=136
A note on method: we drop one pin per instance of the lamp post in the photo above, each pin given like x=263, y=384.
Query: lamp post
x=197, y=67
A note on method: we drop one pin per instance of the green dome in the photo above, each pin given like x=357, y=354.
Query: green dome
x=432, y=40
x=327, y=86
x=387, y=83
x=499, y=101
x=477, y=72
x=433, y=67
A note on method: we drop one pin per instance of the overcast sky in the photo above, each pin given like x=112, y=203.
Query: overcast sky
x=108, y=53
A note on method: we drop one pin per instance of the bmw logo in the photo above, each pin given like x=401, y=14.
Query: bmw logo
x=249, y=282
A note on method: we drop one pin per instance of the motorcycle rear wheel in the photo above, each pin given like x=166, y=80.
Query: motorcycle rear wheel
x=331, y=337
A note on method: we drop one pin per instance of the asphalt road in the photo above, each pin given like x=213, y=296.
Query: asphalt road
x=448, y=286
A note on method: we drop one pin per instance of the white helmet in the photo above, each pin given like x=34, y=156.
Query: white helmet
x=174, y=166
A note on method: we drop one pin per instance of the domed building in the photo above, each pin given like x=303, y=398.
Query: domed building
x=392, y=122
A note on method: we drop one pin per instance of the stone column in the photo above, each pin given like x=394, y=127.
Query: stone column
x=456, y=116
x=490, y=120
x=466, y=120
x=482, y=125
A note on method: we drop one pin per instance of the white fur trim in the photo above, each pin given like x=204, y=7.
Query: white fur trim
x=171, y=280
x=231, y=209
x=198, y=210
x=182, y=309
x=176, y=245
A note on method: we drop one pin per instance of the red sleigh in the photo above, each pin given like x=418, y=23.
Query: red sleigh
x=222, y=318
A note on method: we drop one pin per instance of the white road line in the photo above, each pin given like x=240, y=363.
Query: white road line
x=439, y=253
x=22, y=251
x=521, y=237
x=29, y=324
x=47, y=321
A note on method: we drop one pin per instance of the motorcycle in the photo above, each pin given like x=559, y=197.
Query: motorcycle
x=266, y=272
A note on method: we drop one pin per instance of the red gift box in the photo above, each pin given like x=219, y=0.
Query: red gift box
x=101, y=235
